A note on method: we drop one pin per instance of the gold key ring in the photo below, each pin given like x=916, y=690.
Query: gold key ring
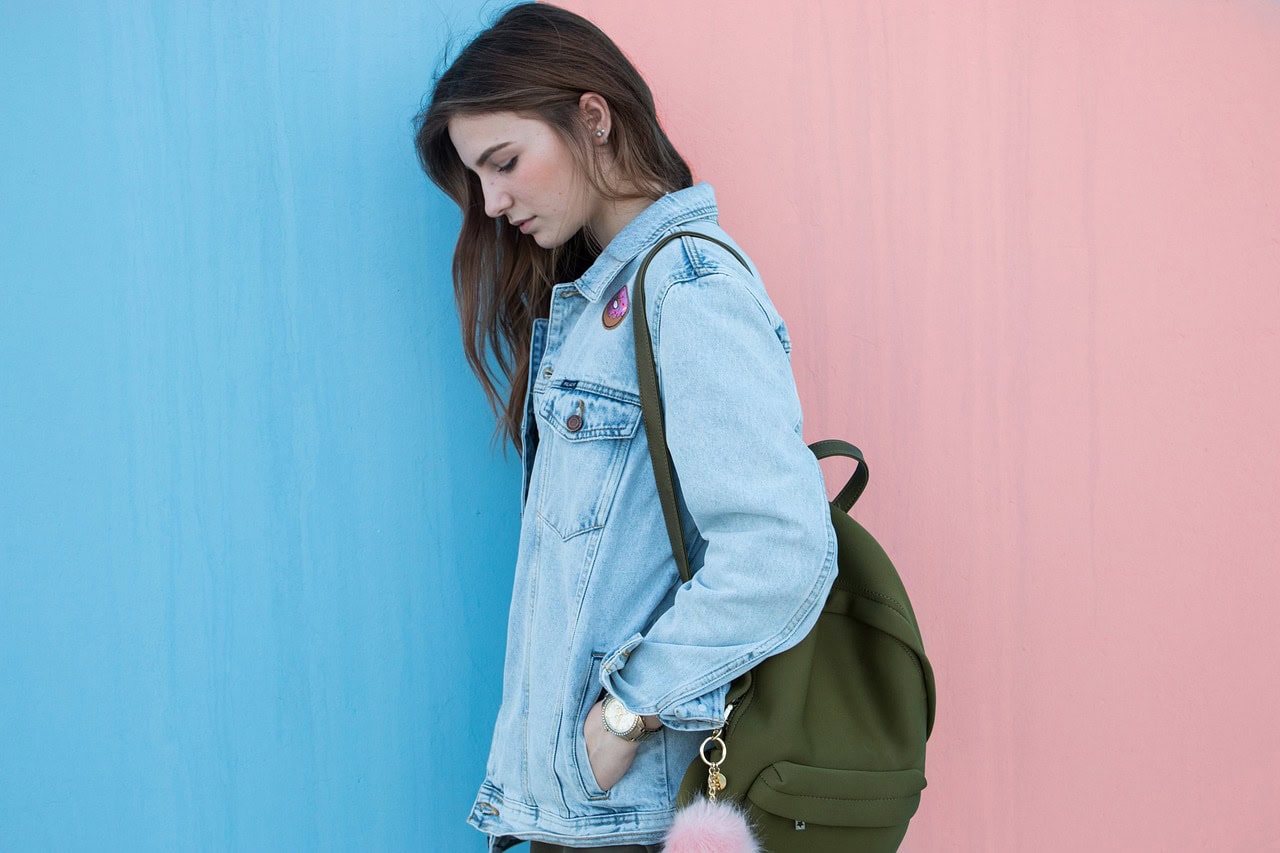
x=702, y=750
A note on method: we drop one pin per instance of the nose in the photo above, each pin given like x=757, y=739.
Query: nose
x=495, y=200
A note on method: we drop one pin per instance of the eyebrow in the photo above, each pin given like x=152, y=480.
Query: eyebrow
x=489, y=151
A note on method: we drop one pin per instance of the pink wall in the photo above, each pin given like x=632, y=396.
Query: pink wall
x=1030, y=258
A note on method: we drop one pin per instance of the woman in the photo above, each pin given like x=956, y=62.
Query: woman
x=547, y=138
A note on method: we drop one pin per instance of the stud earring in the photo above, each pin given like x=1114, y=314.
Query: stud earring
x=600, y=133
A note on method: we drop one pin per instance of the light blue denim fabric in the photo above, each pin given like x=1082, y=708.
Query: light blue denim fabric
x=597, y=600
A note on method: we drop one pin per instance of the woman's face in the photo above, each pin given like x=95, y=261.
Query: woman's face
x=527, y=172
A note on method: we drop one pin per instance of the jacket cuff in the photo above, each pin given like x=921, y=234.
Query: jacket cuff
x=704, y=711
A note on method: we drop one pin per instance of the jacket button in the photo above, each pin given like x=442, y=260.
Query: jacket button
x=574, y=421
x=546, y=371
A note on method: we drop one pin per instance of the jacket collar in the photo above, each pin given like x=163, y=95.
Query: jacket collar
x=674, y=208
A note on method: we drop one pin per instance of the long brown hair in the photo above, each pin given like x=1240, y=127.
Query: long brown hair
x=535, y=60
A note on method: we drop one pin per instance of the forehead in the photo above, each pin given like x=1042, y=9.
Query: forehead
x=472, y=134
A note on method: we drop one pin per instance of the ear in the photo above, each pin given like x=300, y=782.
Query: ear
x=595, y=115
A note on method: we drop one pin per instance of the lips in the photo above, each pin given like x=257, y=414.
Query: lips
x=522, y=223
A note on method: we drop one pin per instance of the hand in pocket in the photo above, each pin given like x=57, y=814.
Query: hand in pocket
x=609, y=755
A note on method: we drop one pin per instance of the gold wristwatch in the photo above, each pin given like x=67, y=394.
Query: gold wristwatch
x=627, y=725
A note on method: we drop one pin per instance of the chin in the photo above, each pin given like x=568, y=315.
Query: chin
x=547, y=242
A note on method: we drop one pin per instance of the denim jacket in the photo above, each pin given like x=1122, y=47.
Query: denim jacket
x=597, y=601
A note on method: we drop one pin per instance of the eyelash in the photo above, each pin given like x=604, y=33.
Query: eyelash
x=510, y=165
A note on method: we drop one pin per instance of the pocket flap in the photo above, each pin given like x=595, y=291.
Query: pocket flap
x=584, y=410
x=831, y=797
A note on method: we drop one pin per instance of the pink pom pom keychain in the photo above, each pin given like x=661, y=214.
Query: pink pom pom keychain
x=709, y=825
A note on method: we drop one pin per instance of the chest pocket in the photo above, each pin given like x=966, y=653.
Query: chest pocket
x=588, y=429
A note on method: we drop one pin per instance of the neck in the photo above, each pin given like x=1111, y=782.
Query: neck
x=611, y=217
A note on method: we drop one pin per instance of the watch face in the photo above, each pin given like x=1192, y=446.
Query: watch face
x=620, y=720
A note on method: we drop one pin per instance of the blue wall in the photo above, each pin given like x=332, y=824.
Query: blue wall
x=255, y=544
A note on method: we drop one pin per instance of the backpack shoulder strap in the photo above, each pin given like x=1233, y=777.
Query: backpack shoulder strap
x=651, y=402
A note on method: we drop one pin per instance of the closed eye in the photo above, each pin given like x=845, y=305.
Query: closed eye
x=510, y=165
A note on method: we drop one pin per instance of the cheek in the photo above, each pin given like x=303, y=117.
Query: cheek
x=550, y=181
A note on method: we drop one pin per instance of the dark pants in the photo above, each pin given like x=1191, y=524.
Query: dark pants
x=544, y=847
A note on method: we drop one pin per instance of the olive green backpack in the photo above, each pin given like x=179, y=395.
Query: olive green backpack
x=824, y=744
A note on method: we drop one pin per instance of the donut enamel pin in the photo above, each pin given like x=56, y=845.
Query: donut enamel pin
x=616, y=308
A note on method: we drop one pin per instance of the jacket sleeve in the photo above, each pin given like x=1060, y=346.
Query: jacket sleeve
x=756, y=494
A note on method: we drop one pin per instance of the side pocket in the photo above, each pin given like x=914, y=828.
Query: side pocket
x=590, y=692
x=646, y=785
x=854, y=809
